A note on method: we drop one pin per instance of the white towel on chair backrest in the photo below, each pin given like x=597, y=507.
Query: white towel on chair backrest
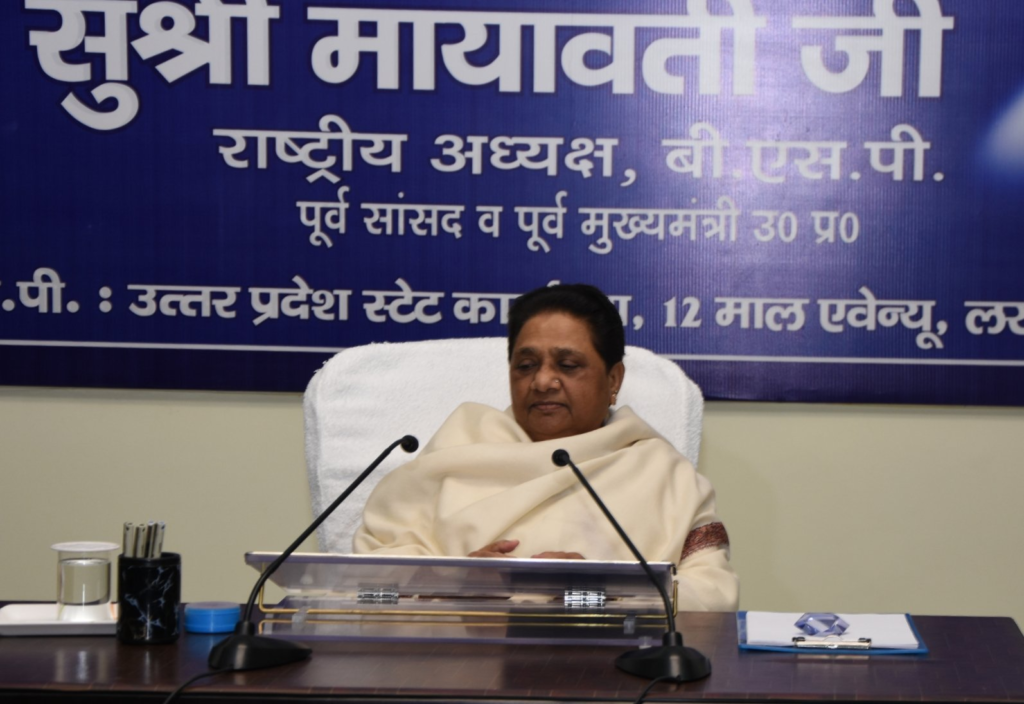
x=366, y=397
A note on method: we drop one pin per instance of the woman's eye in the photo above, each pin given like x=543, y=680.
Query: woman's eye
x=524, y=366
x=569, y=366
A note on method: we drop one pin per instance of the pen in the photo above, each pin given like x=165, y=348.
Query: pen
x=128, y=544
x=150, y=540
x=139, y=540
x=160, y=530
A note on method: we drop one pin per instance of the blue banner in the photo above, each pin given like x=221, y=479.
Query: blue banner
x=810, y=201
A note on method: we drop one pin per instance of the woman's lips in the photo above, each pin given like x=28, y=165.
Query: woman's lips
x=547, y=406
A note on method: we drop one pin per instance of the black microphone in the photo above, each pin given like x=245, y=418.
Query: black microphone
x=672, y=660
x=244, y=650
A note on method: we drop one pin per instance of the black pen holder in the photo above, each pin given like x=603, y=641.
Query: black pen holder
x=149, y=599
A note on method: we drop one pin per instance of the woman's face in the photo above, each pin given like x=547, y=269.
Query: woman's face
x=558, y=381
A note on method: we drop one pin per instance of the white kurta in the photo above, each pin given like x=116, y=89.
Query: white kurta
x=481, y=479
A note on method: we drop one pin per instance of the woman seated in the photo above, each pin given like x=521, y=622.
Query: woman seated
x=485, y=485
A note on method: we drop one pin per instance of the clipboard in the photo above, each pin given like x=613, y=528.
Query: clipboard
x=835, y=647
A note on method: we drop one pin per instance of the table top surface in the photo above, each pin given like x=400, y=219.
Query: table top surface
x=970, y=659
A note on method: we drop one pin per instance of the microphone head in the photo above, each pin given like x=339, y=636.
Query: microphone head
x=410, y=443
x=560, y=458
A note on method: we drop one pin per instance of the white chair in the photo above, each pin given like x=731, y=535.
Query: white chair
x=366, y=397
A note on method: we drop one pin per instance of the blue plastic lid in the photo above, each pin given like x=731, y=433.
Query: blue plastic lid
x=211, y=617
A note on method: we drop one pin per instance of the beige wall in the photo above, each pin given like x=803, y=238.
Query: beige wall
x=846, y=508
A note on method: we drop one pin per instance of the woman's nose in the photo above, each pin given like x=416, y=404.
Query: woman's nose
x=546, y=380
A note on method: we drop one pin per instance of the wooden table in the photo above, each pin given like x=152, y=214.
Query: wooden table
x=971, y=660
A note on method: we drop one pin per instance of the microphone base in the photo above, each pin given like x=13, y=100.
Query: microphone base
x=244, y=650
x=677, y=662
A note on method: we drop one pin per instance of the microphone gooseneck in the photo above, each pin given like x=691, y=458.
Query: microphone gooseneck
x=672, y=660
x=244, y=650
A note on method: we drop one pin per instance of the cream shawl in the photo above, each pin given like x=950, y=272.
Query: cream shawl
x=481, y=479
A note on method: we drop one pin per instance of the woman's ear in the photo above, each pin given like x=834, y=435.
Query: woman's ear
x=615, y=376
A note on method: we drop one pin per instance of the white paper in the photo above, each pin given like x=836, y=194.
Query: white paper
x=41, y=620
x=885, y=630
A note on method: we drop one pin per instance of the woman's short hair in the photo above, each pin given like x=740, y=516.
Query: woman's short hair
x=581, y=301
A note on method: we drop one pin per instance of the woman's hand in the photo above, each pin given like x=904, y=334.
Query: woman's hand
x=499, y=548
x=502, y=548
